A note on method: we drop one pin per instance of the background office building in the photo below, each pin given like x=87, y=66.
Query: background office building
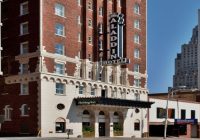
x=53, y=76
x=187, y=62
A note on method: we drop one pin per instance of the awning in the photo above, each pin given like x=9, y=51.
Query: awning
x=112, y=102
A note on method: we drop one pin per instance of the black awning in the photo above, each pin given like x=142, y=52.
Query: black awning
x=112, y=101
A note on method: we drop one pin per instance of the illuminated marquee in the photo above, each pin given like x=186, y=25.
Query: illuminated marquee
x=116, y=41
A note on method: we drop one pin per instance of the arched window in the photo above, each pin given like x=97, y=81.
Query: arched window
x=7, y=113
x=116, y=114
x=101, y=113
x=24, y=110
x=137, y=8
x=137, y=125
x=60, y=125
x=86, y=112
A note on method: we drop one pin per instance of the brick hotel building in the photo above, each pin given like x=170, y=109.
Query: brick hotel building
x=53, y=79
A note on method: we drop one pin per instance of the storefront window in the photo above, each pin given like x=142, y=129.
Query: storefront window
x=60, y=127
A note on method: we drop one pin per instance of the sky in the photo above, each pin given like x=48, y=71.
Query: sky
x=169, y=25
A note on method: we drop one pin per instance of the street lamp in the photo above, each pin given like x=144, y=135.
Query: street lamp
x=171, y=91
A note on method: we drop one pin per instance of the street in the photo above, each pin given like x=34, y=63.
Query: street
x=103, y=138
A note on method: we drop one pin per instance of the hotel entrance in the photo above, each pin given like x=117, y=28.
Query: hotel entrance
x=102, y=129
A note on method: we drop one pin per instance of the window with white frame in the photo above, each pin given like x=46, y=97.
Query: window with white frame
x=24, y=48
x=100, y=28
x=81, y=89
x=59, y=49
x=137, y=8
x=24, y=89
x=24, y=68
x=137, y=24
x=79, y=2
x=24, y=8
x=92, y=91
x=119, y=3
x=79, y=20
x=24, y=110
x=60, y=29
x=7, y=113
x=136, y=39
x=59, y=10
x=89, y=5
x=24, y=28
x=90, y=40
x=79, y=37
x=60, y=88
x=101, y=11
x=137, y=96
x=60, y=68
x=137, y=82
x=90, y=23
x=136, y=68
x=136, y=53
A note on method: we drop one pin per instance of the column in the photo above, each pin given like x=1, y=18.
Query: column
x=111, y=123
x=96, y=123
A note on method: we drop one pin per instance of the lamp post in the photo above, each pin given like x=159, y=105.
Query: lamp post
x=171, y=92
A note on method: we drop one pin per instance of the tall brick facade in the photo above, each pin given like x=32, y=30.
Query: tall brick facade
x=33, y=33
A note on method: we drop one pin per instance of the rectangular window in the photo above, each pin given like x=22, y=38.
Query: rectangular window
x=81, y=88
x=60, y=127
x=24, y=28
x=59, y=49
x=119, y=3
x=136, y=39
x=183, y=114
x=161, y=113
x=59, y=29
x=24, y=68
x=136, y=53
x=59, y=10
x=79, y=2
x=79, y=37
x=137, y=9
x=137, y=82
x=171, y=113
x=137, y=126
x=59, y=88
x=100, y=29
x=92, y=91
x=60, y=68
x=79, y=20
x=24, y=8
x=137, y=24
x=24, y=89
x=101, y=11
x=136, y=68
x=193, y=114
x=24, y=48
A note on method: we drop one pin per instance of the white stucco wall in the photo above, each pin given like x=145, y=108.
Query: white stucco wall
x=177, y=105
x=73, y=114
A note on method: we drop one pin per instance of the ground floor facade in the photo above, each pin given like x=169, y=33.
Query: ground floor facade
x=58, y=105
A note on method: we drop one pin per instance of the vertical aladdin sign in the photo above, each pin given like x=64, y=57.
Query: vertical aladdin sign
x=116, y=40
